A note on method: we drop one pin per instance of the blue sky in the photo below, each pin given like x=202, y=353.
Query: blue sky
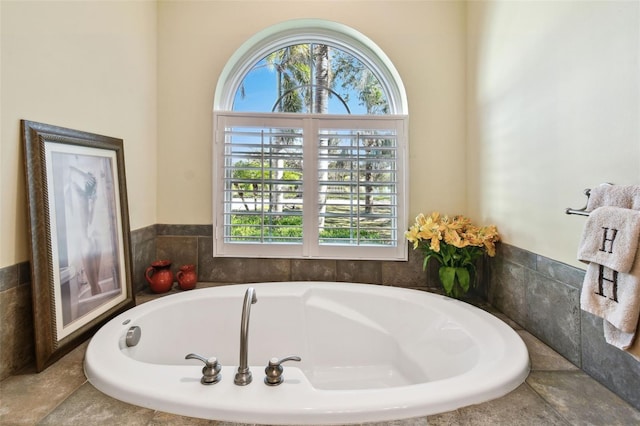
x=260, y=88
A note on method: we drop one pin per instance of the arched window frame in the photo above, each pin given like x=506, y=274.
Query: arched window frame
x=309, y=31
x=240, y=64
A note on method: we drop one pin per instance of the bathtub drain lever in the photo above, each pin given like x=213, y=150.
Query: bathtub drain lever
x=211, y=370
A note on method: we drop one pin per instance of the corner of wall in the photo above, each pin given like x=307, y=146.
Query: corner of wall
x=543, y=296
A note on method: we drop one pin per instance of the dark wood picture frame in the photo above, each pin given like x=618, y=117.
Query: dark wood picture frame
x=79, y=235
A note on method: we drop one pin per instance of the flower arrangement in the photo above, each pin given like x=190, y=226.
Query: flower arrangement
x=456, y=243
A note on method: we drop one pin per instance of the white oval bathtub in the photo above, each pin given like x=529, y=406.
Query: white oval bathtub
x=369, y=353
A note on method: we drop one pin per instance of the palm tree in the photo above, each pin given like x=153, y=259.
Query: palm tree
x=322, y=80
x=297, y=66
x=306, y=74
x=359, y=78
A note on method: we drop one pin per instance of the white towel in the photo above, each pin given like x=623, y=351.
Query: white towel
x=625, y=196
x=610, y=238
x=628, y=342
x=612, y=295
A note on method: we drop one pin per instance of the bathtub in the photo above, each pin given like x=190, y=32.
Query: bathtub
x=369, y=353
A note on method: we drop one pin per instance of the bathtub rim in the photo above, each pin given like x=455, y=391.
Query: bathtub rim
x=400, y=402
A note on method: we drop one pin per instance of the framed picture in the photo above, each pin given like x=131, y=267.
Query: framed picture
x=79, y=235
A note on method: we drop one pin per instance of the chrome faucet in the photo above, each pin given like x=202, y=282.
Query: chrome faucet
x=243, y=376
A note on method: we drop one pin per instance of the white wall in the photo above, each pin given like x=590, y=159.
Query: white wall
x=425, y=41
x=549, y=91
x=553, y=108
x=146, y=71
x=89, y=66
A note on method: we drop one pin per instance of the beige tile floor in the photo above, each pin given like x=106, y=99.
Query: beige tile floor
x=555, y=393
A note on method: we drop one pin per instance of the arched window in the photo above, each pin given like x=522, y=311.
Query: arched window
x=311, y=78
x=310, y=147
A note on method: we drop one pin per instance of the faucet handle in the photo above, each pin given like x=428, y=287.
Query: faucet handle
x=274, y=370
x=211, y=370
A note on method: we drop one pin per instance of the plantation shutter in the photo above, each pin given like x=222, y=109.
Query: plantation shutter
x=359, y=186
x=309, y=186
x=357, y=183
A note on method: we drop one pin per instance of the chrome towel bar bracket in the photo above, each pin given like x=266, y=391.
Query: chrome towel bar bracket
x=583, y=211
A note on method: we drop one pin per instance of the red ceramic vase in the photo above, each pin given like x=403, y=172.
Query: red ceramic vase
x=187, y=277
x=159, y=276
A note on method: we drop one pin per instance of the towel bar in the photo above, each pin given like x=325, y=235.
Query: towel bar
x=583, y=211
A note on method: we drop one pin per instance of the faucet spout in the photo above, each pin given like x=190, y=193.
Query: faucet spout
x=243, y=376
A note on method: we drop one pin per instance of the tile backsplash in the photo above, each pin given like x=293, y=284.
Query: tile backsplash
x=16, y=319
x=540, y=294
x=543, y=296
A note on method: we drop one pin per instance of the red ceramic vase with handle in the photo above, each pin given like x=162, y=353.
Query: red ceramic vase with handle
x=159, y=276
x=187, y=277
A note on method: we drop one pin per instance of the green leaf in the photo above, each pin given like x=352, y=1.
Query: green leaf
x=426, y=260
x=463, y=278
x=447, y=254
x=447, y=276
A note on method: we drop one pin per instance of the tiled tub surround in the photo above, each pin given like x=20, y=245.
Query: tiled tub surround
x=543, y=296
x=539, y=294
x=17, y=340
x=555, y=393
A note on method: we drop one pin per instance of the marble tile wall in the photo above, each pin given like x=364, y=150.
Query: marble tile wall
x=543, y=296
x=143, y=252
x=194, y=244
x=555, y=393
x=540, y=294
x=16, y=319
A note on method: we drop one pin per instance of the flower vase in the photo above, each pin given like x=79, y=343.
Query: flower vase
x=187, y=277
x=159, y=276
x=455, y=280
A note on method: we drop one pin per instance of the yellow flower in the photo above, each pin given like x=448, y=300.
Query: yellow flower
x=491, y=248
x=489, y=238
x=435, y=243
x=435, y=217
x=471, y=236
x=459, y=222
x=457, y=231
x=452, y=237
x=412, y=236
x=426, y=229
x=453, y=241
